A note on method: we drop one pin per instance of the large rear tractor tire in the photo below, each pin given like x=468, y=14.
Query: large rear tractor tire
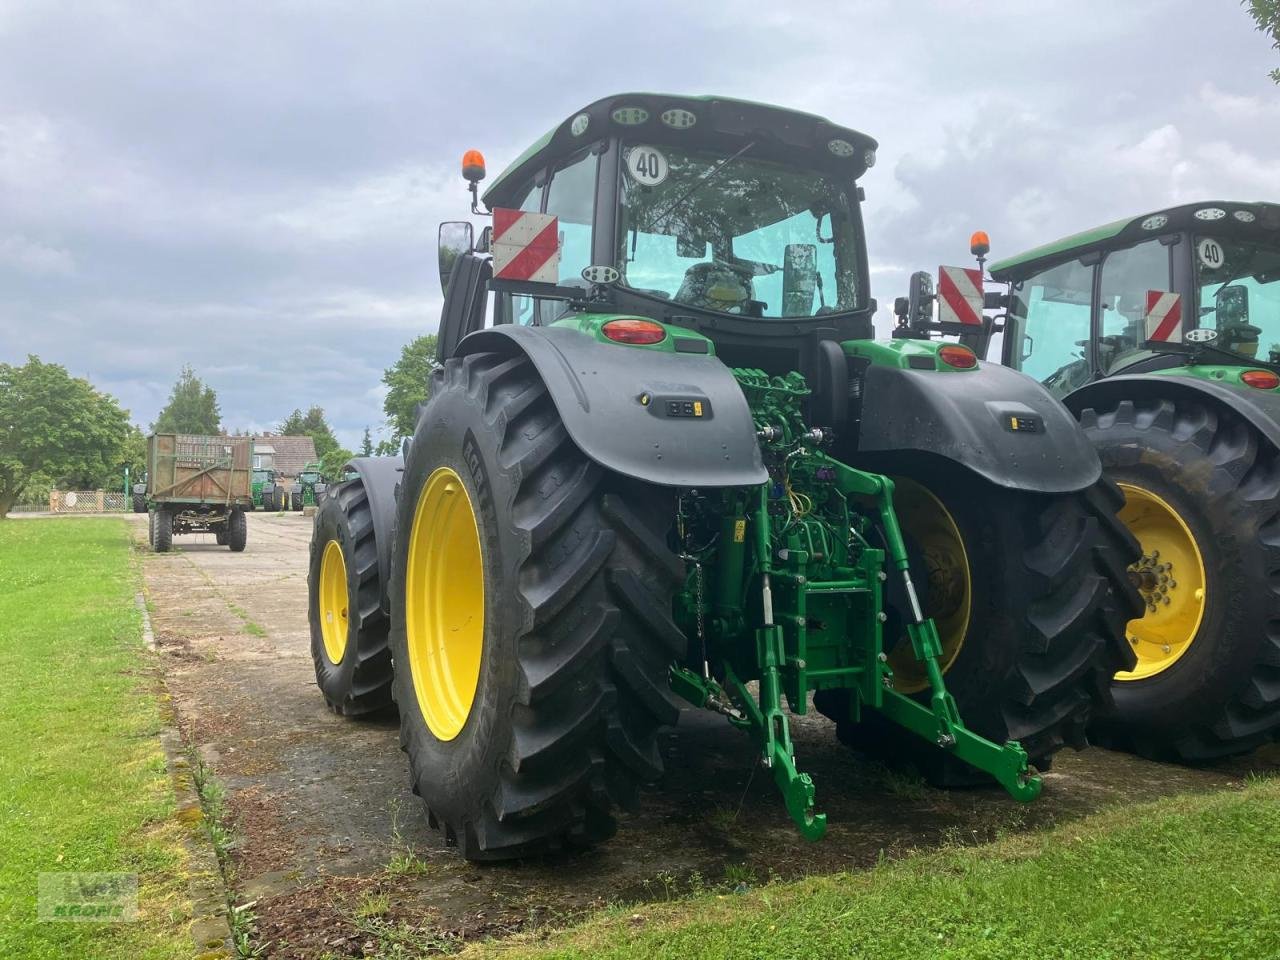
x=1202, y=491
x=139, y=503
x=1030, y=596
x=532, y=625
x=295, y=500
x=349, y=644
x=237, y=533
x=162, y=540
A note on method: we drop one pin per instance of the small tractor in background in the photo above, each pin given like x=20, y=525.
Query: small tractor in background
x=198, y=484
x=308, y=488
x=268, y=494
x=1161, y=334
x=665, y=462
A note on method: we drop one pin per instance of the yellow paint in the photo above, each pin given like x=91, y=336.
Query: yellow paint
x=444, y=603
x=929, y=526
x=697, y=408
x=1171, y=578
x=335, y=622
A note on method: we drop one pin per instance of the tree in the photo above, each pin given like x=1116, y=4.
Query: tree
x=332, y=461
x=408, y=383
x=192, y=408
x=312, y=424
x=1266, y=14
x=366, y=444
x=56, y=427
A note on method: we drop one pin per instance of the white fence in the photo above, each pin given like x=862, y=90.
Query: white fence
x=88, y=501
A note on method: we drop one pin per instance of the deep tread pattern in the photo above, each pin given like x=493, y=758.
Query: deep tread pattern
x=162, y=538
x=1057, y=566
x=361, y=683
x=1228, y=702
x=592, y=579
x=236, y=535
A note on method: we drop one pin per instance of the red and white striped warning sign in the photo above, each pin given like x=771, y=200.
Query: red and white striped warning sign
x=1164, y=316
x=526, y=246
x=959, y=295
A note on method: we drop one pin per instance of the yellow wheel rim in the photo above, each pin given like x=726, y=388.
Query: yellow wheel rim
x=444, y=603
x=1170, y=576
x=928, y=525
x=334, y=619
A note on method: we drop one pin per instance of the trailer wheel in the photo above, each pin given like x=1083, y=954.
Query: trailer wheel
x=162, y=540
x=531, y=619
x=237, y=532
x=1201, y=492
x=220, y=537
x=1030, y=596
x=151, y=529
x=349, y=643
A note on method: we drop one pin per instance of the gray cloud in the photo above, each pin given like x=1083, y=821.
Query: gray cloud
x=254, y=188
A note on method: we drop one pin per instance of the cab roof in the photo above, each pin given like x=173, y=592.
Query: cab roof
x=666, y=116
x=1242, y=217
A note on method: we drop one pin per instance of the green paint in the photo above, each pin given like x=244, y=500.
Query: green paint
x=898, y=353
x=785, y=587
x=1226, y=375
x=592, y=324
x=1058, y=249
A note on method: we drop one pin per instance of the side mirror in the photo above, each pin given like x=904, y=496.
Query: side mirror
x=920, y=298
x=799, y=279
x=485, y=243
x=455, y=239
x=1232, y=305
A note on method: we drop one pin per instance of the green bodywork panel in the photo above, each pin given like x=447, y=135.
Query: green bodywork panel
x=786, y=587
x=592, y=325
x=1228, y=375
x=1050, y=251
x=898, y=353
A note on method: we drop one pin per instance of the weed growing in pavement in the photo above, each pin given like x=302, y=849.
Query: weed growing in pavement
x=213, y=802
x=373, y=905
x=401, y=942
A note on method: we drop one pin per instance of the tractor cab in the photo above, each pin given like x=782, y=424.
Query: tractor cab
x=738, y=221
x=1143, y=294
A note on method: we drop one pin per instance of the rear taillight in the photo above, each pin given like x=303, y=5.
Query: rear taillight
x=634, y=331
x=954, y=355
x=1260, y=379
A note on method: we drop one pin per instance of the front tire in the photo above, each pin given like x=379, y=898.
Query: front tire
x=349, y=643
x=1202, y=487
x=531, y=629
x=1031, y=635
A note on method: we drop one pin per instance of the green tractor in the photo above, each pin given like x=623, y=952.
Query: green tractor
x=1161, y=334
x=309, y=487
x=268, y=495
x=665, y=462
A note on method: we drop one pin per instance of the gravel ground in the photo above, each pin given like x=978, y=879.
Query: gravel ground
x=336, y=854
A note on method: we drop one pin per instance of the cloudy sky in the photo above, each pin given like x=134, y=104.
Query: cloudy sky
x=254, y=188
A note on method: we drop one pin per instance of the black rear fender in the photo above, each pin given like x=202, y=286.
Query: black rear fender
x=996, y=422
x=632, y=410
x=1260, y=408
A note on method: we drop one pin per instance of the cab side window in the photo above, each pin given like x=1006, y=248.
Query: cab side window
x=572, y=198
x=1051, y=312
x=1127, y=277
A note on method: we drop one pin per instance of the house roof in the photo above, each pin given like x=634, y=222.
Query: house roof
x=291, y=453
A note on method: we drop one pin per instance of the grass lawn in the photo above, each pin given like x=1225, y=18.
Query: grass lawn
x=1184, y=877
x=82, y=779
